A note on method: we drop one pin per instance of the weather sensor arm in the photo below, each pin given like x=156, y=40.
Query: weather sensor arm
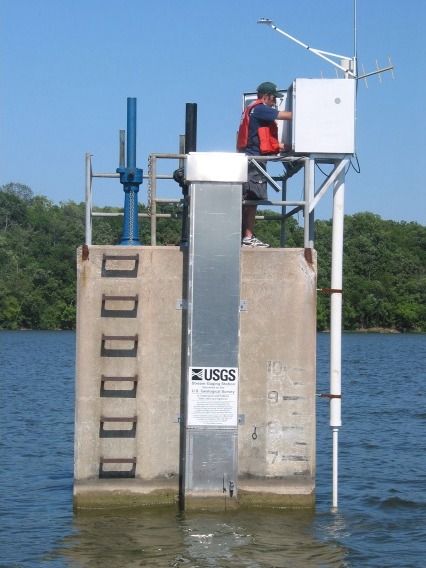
x=320, y=53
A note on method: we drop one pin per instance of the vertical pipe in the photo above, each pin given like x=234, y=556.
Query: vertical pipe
x=131, y=163
x=335, y=436
x=191, y=128
x=336, y=320
x=153, y=173
x=131, y=132
x=311, y=197
x=309, y=180
x=131, y=178
x=181, y=149
x=88, y=211
x=355, y=59
x=190, y=146
x=283, y=212
x=122, y=159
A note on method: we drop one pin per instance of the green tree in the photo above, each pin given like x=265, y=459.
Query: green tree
x=384, y=278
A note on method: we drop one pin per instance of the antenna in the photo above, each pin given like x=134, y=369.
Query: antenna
x=326, y=55
x=377, y=72
x=347, y=64
x=355, y=39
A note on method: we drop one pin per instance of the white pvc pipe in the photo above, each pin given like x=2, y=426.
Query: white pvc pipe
x=309, y=185
x=335, y=466
x=336, y=320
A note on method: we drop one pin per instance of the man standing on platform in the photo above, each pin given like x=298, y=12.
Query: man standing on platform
x=258, y=136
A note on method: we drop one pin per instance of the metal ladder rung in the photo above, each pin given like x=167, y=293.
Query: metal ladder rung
x=105, y=379
x=111, y=474
x=119, y=337
x=109, y=310
x=120, y=298
x=119, y=352
x=119, y=272
x=133, y=419
x=118, y=460
x=126, y=257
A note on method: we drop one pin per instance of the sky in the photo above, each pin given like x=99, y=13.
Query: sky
x=68, y=67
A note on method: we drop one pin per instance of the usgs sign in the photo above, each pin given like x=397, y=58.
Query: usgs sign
x=213, y=396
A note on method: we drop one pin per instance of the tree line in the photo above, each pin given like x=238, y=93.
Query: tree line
x=384, y=279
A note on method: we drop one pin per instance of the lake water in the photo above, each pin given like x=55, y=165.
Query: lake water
x=381, y=520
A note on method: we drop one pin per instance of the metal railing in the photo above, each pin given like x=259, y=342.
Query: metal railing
x=279, y=183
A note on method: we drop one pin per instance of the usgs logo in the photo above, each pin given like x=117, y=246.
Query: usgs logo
x=216, y=374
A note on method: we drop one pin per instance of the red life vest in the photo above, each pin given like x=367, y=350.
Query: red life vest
x=268, y=135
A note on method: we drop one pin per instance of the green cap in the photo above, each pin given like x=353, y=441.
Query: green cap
x=269, y=89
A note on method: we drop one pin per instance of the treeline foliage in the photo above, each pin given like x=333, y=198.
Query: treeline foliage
x=384, y=262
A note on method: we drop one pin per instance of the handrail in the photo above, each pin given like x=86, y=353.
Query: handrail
x=307, y=204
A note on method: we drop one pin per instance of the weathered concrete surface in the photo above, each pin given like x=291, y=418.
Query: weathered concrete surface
x=277, y=385
x=276, y=437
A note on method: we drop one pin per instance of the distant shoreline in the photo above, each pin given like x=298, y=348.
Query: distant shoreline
x=383, y=330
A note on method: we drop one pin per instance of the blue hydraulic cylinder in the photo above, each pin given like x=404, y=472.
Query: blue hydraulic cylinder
x=131, y=177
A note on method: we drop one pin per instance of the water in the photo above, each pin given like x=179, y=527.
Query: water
x=381, y=519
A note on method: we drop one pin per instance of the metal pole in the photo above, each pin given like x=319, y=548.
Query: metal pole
x=283, y=212
x=336, y=321
x=355, y=58
x=153, y=173
x=190, y=146
x=309, y=179
x=131, y=177
x=191, y=128
x=181, y=149
x=131, y=132
x=122, y=159
x=88, y=215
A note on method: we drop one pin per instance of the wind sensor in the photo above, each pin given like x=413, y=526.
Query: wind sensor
x=347, y=64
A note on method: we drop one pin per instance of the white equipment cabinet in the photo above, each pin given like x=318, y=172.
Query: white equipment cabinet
x=323, y=116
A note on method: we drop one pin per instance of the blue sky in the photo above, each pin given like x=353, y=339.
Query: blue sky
x=68, y=67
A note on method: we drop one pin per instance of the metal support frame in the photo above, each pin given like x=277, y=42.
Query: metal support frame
x=310, y=200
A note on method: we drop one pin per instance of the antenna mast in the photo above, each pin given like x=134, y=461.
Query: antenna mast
x=355, y=59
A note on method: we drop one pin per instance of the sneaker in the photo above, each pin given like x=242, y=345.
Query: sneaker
x=253, y=242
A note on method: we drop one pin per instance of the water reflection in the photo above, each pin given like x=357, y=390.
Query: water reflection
x=202, y=540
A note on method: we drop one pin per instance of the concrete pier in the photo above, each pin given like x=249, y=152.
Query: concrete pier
x=130, y=349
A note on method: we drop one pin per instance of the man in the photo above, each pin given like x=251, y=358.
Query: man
x=257, y=136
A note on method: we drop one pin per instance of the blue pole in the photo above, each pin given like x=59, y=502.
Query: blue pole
x=131, y=178
x=131, y=133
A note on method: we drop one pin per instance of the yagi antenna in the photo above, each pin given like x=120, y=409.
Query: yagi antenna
x=377, y=72
x=346, y=64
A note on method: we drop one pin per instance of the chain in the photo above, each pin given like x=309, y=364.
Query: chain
x=131, y=212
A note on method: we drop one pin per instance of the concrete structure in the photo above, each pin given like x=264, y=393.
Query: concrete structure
x=130, y=348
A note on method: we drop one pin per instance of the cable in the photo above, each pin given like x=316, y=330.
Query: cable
x=358, y=168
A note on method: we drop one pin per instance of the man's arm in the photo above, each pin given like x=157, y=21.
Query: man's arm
x=284, y=115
